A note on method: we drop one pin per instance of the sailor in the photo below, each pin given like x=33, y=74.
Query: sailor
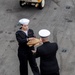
x=23, y=35
x=47, y=53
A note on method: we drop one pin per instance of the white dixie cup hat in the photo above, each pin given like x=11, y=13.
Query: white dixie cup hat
x=44, y=33
x=24, y=21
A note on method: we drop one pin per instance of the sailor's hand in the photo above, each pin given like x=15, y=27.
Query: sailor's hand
x=33, y=51
x=40, y=41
